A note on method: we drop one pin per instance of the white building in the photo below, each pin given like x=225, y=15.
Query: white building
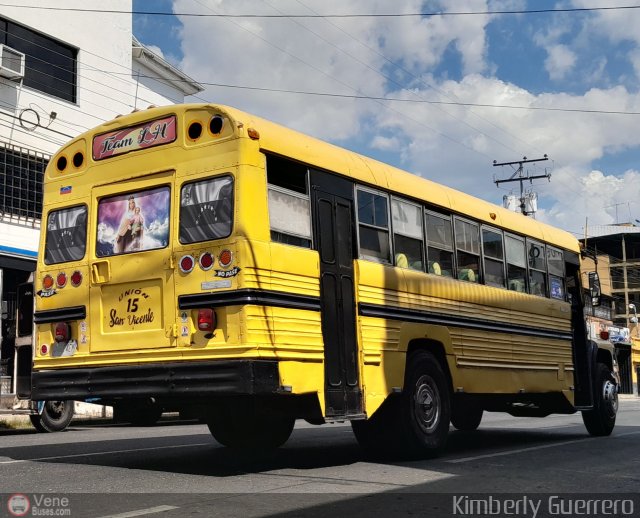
x=62, y=71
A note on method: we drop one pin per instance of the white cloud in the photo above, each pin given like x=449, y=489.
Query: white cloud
x=385, y=143
x=454, y=145
x=560, y=61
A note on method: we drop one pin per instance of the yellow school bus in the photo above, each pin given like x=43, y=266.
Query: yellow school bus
x=199, y=259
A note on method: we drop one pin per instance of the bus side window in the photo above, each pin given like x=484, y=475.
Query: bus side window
x=537, y=269
x=439, y=244
x=408, y=244
x=289, y=204
x=493, y=251
x=373, y=226
x=555, y=265
x=467, y=250
x=516, y=263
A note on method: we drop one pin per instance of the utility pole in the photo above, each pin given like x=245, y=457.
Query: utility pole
x=519, y=176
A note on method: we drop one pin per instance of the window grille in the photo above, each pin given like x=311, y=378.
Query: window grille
x=21, y=174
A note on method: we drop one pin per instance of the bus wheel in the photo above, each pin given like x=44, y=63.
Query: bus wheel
x=376, y=435
x=465, y=416
x=425, y=407
x=146, y=414
x=55, y=416
x=601, y=419
x=251, y=431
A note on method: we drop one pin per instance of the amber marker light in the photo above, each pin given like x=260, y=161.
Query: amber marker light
x=225, y=258
x=47, y=282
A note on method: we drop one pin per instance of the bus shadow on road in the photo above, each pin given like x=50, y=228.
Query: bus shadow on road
x=308, y=449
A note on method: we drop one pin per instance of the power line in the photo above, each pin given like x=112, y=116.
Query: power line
x=419, y=101
x=346, y=15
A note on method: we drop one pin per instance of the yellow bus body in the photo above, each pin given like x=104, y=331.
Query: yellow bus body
x=479, y=358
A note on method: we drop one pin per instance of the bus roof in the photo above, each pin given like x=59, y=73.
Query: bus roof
x=283, y=141
x=289, y=143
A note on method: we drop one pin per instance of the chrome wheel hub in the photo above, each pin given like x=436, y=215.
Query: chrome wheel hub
x=427, y=404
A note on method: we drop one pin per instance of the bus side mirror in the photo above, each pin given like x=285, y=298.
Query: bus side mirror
x=594, y=288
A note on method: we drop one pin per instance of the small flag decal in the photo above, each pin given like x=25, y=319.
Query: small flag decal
x=65, y=190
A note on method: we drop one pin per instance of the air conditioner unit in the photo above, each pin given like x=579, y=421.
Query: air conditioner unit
x=11, y=63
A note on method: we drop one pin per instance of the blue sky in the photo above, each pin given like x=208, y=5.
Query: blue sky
x=541, y=63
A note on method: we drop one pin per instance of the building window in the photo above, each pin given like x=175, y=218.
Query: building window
x=50, y=66
x=21, y=173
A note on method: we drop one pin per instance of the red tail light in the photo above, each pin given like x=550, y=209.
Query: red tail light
x=76, y=279
x=206, y=319
x=61, y=332
x=61, y=280
x=187, y=263
x=604, y=335
x=206, y=261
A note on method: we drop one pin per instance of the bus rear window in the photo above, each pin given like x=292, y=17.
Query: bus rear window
x=133, y=222
x=206, y=210
x=66, y=238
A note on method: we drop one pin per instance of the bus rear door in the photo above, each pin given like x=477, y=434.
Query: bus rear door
x=132, y=285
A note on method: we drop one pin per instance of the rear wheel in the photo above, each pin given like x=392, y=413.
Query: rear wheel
x=416, y=423
x=55, y=416
x=601, y=419
x=241, y=427
x=466, y=416
x=425, y=407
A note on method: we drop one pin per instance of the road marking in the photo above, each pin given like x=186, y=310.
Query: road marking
x=532, y=448
x=90, y=454
x=142, y=512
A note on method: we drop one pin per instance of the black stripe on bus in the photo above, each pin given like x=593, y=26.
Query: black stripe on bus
x=424, y=317
x=60, y=315
x=249, y=296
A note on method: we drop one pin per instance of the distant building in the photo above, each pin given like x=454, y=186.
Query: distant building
x=61, y=73
x=620, y=275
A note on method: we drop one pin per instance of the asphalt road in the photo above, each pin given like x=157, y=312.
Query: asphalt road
x=177, y=469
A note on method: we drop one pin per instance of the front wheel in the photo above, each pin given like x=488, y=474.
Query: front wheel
x=601, y=419
x=55, y=416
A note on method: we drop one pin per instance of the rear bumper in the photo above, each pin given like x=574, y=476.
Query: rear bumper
x=159, y=380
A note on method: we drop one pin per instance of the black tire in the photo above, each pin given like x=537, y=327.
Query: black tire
x=424, y=407
x=377, y=434
x=601, y=420
x=243, y=428
x=144, y=414
x=55, y=416
x=466, y=416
